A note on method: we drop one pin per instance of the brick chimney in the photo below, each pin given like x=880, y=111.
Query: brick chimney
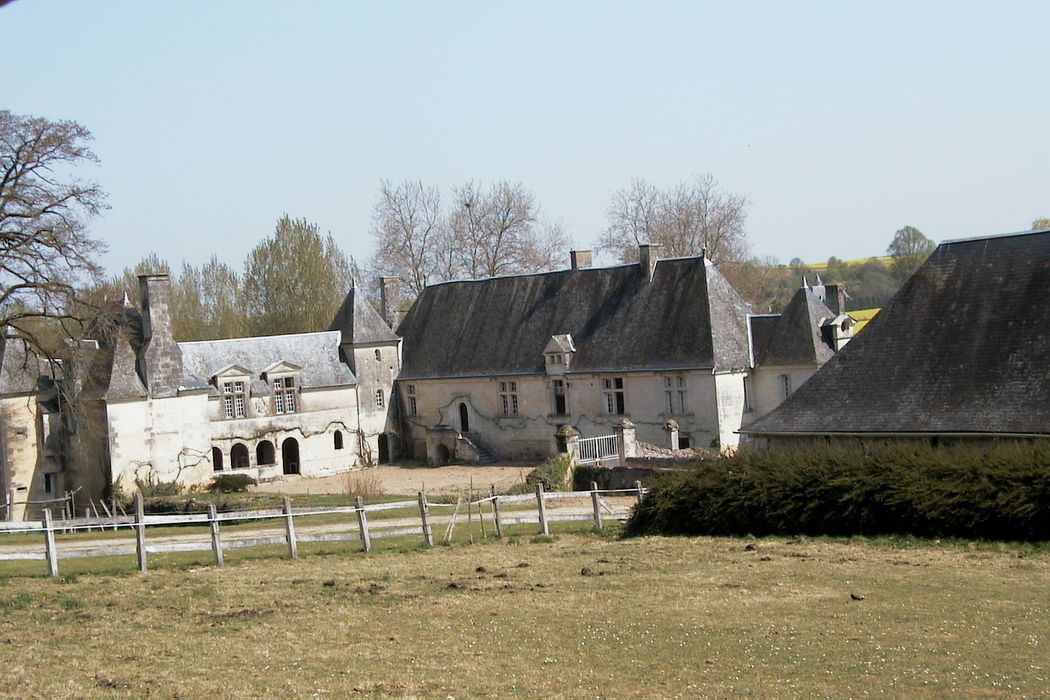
x=390, y=300
x=648, y=254
x=160, y=359
x=835, y=298
x=580, y=259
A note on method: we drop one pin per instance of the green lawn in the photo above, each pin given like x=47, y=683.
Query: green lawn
x=652, y=616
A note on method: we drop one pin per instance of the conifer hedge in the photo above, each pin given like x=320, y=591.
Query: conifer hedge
x=1001, y=492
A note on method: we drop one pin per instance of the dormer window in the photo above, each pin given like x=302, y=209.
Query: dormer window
x=558, y=353
x=233, y=399
x=284, y=395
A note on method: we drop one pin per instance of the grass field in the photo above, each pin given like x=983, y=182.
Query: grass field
x=576, y=614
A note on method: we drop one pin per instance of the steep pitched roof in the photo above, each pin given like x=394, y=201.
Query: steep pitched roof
x=316, y=353
x=963, y=347
x=687, y=316
x=359, y=322
x=796, y=338
x=22, y=371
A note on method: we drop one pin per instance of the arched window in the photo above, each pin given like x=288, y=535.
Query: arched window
x=265, y=453
x=239, y=456
x=290, y=456
x=216, y=459
x=337, y=438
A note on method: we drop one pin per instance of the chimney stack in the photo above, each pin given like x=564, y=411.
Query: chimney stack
x=835, y=298
x=160, y=359
x=580, y=259
x=648, y=254
x=390, y=300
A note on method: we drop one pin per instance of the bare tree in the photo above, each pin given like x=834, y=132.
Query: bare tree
x=693, y=217
x=408, y=226
x=1041, y=223
x=46, y=251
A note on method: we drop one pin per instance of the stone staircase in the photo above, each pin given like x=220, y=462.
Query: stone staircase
x=485, y=453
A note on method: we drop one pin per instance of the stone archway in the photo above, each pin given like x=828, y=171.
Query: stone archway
x=464, y=418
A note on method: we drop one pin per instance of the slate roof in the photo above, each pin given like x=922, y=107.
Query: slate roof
x=22, y=371
x=688, y=316
x=359, y=322
x=964, y=347
x=795, y=337
x=316, y=353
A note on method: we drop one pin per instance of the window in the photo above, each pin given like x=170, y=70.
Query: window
x=785, y=384
x=380, y=400
x=338, y=439
x=410, y=389
x=233, y=402
x=265, y=453
x=284, y=400
x=379, y=355
x=674, y=394
x=216, y=459
x=747, y=395
x=50, y=483
x=560, y=408
x=613, y=393
x=508, y=394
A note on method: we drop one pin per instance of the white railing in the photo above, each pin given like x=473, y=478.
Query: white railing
x=600, y=451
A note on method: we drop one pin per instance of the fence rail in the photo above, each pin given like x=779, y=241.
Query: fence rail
x=217, y=543
x=602, y=451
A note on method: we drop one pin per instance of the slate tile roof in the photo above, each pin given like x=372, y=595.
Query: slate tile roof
x=964, y=347
x=359, y=322
x=316, y=353
x=22, y=371
x=795, y=337
x=687, y=316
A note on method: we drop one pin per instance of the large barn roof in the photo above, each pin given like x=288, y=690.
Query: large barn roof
x=687, y=316
x=964, y=347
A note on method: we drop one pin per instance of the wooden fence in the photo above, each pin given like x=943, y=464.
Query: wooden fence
x=366, y=531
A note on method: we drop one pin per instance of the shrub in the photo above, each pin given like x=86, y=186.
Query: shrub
x=365, y=484
x=1001, y=492
x=231, y=483
x=150, y=486
x=553, y=474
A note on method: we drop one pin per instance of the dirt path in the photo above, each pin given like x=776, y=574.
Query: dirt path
x=408, y=479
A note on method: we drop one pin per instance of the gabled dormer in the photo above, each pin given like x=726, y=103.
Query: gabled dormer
x=557, y=355
x=233, y=383
x=838, y=331
x=283, y=379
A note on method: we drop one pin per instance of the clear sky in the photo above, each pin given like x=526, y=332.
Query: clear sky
x=840, y=121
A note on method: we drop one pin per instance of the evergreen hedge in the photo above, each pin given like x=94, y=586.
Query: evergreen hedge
x=1000, y=492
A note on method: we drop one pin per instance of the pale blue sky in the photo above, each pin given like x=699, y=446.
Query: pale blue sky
x=841, y=121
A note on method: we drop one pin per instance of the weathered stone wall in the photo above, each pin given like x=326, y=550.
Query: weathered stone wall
x=25, y=430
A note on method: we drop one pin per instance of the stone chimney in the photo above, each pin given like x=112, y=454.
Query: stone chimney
x=160, y=359
x=835, y=298
x=648, y=254
x=580, y=259
x=390, y=300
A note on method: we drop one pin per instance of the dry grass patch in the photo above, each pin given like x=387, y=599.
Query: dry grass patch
x=569, y=615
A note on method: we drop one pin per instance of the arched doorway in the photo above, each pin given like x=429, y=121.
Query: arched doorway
x=384, y=449
x=337, y=440
x=216, y=459
x=290, y=456
x=265, y=453
x=464, y=419
x=239, y=456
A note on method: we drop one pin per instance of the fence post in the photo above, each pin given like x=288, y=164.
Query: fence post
x=638, y=485
x=495, y=511
x=541, y=506
x=140, y=531
x=362, y=521
x=428, y=536
x=289, y=527
x=49, y=545
x=597, y=507
x=216, y=541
